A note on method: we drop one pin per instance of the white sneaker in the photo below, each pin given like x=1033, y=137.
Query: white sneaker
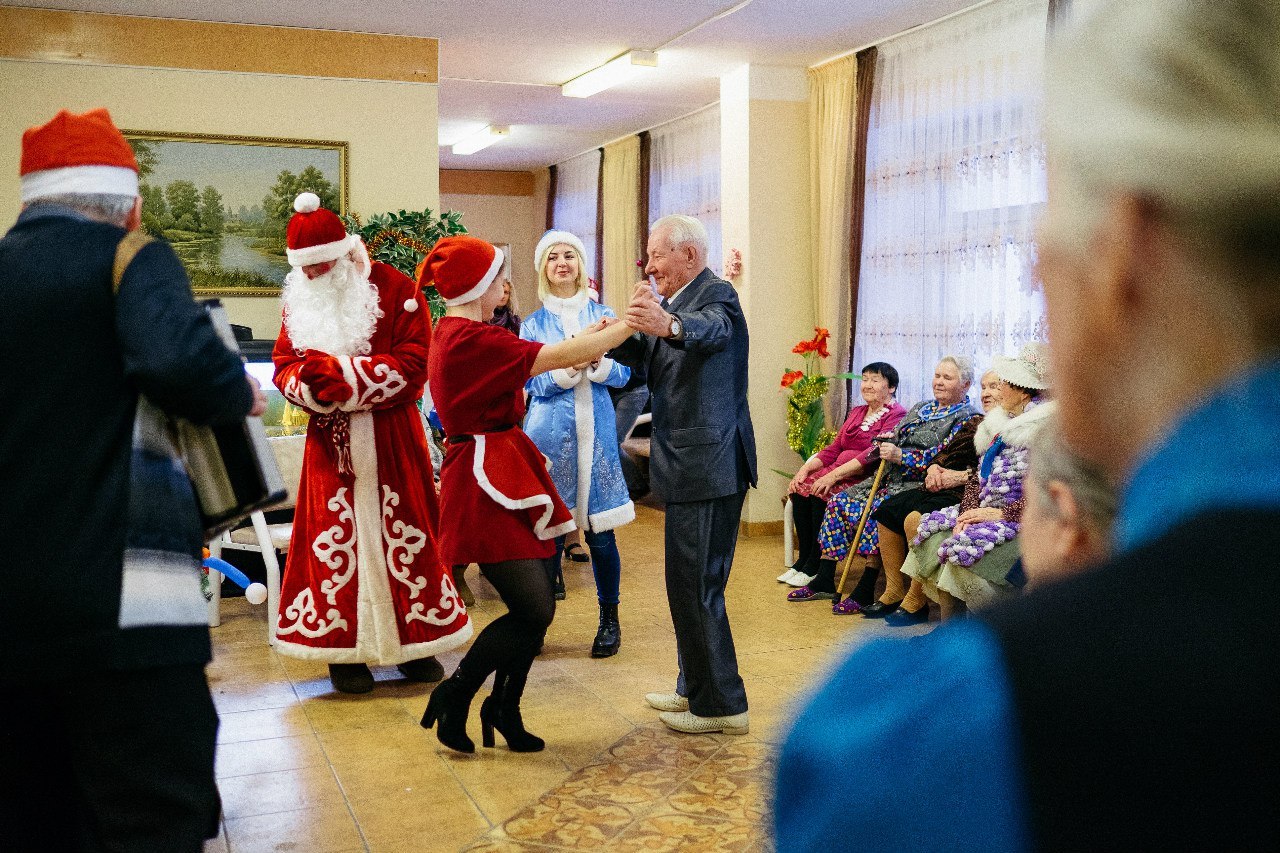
x=785, y=577
x=667, y=701
x=799, y=579
x=687, y=721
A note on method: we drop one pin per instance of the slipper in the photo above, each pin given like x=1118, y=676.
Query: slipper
x=577, y=553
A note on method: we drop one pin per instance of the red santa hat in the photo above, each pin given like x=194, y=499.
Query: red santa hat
x=461, y=268
x=77, y=154
x=315, y=235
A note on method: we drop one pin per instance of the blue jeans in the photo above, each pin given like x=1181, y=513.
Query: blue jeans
x=605, y=562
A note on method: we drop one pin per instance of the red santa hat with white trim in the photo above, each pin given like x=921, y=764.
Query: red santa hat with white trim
x=315, y=235
x=461, y=268
x=72, y=153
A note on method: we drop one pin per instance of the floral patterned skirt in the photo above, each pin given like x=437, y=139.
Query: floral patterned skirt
x=840, y=522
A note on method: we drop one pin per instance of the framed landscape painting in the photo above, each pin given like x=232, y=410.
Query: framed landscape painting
x=223, y=202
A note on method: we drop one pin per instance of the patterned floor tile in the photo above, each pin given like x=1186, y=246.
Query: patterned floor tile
x=686, y=834
x=565, y=822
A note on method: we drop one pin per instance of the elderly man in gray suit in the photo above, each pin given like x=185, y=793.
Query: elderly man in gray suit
x=693, y=341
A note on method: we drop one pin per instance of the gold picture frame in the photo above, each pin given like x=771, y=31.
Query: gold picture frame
x=223, y=202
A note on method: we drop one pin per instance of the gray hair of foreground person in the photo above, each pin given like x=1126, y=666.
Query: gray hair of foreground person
x=112, y=208
x=683, y=229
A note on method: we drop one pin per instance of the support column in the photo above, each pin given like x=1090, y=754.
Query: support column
x=764, y=213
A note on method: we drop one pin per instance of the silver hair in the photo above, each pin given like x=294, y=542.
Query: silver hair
x=105, y=207
x=964, y=365
x=683, y=229
x=1173, y=101
x=1051, y=460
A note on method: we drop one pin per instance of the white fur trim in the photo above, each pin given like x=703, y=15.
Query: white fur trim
x=306, y=203
x=552, y=238
x=410, y=305
x=542, y=499
x=611, y=518
x=321, y=253
x=585, y=421
x=567, y=309
x=1021, y=430
x=990, y=427
x=483, y=285
x=566, y=377
x=112, y=180
x=352, y=403
x=600, y=373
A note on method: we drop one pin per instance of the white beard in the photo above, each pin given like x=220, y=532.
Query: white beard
x=335, y=313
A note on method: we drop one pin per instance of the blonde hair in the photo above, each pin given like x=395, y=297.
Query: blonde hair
x=544, y=285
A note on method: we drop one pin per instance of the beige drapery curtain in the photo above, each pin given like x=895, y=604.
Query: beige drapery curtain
x=832, y=116
x=620, y=182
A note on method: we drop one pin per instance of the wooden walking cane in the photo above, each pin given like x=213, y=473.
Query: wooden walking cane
x=862, y=523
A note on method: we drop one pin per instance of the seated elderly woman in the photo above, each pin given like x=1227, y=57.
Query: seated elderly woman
x=841, y=464
x=968, y=550
x=1069, y=513
x=898, y=517
x=906, y=454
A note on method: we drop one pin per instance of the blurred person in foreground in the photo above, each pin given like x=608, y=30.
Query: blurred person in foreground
x=107, y=728
x=1116, y=709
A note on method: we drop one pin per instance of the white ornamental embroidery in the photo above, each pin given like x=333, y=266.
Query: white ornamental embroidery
x=451, y=607
x=304, y=615
x=404, y=541
x=381, y=380
x=336, y=547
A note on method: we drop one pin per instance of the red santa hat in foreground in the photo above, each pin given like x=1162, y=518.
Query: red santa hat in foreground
x=83, y=153
x=461, y=268
x=316, y=235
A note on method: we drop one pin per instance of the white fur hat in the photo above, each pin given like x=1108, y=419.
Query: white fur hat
x=554, y=238
x=1029, y=370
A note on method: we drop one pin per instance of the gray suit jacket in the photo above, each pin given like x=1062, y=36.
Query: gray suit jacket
x=703, y=445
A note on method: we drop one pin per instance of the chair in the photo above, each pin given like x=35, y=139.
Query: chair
x=636, y=442
x=269, y=540
x=788, y=535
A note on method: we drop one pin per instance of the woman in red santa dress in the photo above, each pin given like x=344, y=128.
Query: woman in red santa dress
x=364, y=582
x=498, y=506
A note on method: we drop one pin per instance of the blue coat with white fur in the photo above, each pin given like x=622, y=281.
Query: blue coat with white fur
x=571, y=418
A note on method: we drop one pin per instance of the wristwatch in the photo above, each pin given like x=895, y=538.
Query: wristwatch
x=676, y=329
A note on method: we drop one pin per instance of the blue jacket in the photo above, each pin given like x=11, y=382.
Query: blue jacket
x=571, y=418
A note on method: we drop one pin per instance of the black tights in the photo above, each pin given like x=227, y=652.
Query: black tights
x=807, y=513
x=509, y=643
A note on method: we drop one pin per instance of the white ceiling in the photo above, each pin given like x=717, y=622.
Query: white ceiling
x=503, y=62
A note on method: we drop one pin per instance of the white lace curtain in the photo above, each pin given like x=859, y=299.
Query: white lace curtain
x=955, y=181
x=684, y=174
x=577, y=201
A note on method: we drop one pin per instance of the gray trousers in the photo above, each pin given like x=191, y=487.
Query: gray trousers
x=701, y=537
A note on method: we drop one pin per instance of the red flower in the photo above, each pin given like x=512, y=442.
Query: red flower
x=818, y=344
x=803, y=347
x=791, y=377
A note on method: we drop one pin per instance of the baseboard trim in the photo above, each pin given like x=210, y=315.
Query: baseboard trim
x=749, y=529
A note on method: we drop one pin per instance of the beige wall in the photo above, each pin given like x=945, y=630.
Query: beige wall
x=764, y=189
x=391, y=128
x=505, y=219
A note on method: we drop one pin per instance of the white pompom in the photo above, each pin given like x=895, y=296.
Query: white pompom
x=411, y=305
x=255, y=593
x=306, y=203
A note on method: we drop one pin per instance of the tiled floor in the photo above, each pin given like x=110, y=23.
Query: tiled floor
x=302, y=768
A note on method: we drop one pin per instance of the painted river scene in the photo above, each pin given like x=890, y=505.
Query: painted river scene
x=224, y=204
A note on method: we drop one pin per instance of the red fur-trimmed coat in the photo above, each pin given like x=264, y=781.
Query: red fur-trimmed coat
x=364, y=582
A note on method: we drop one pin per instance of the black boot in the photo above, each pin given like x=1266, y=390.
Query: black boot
x=350, y=677
x=425, y=670
x=449, y=706
x=501, y=711
x=555, y=574
x=865, y=591
x=609, y=635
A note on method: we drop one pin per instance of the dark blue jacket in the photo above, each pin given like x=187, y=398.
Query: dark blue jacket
x=75, y=360
x=703, y=445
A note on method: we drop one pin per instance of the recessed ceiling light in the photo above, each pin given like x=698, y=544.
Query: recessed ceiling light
x=612, y=73
x=482, y=139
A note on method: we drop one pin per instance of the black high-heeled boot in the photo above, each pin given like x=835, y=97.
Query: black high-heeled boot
x=501, y=711
x=609, y=634
x=448, y=708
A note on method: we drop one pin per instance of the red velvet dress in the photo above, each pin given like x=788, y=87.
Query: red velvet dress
x=497, y=501
x=364, y=582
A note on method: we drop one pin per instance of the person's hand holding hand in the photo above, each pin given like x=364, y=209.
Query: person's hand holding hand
x=825, y=485
x=323, y=375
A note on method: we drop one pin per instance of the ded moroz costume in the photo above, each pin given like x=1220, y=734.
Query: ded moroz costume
x=364, y=582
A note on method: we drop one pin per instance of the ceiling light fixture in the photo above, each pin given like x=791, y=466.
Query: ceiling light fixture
x=481, y=139
x=612, y=73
